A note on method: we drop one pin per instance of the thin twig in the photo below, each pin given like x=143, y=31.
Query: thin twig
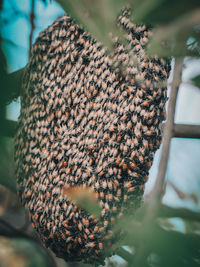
x=32, y=17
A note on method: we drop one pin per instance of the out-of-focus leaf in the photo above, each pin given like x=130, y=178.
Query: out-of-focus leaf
x=143, y=9
x=172, y=39
x=196, y=81
x=84, y=197
x=98, y=17
x=156, y=12
x=10, y=83
x=7, y=176
x=147, y=11
x=192, y=227
x=8, y=128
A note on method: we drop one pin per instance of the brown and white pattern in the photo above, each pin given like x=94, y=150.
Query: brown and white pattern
x=87, y=118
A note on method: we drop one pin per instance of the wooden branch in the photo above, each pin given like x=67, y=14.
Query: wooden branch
x=168, y=132
x=186, y=131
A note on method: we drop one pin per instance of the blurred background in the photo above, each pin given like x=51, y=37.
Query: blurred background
x=20, y=23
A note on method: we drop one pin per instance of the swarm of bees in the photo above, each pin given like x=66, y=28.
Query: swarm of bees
x=88, y=118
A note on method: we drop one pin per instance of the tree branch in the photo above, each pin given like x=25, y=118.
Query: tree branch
x=168, y=131
x=186, y=131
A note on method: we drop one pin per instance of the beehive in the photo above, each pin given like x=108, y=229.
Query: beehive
x=87, y=118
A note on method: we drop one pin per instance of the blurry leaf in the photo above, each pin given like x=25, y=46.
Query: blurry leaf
x=171, y=39
x=8, y=127
x=146, y=11
x=8, y=255
x=9, y=206
x=196, y=81
x=98, y=17
x=10, y=83
x=156, y=12
x=143, y=9
x=10, y=90
x=7, y=175
x=192, y=227
x=83, y=197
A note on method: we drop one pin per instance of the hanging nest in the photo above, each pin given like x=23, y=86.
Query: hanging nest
x=90, y=120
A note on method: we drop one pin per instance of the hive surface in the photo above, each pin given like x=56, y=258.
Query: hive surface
x=87, y=118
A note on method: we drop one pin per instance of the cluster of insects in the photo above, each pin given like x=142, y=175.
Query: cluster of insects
x=87, y=118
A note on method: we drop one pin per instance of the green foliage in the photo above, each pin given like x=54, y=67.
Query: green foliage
x=196, y=81
x=158, y=12
x=174, y=21
x=98, y=17
x=7, y=177
x=171, y=39
x=27, y=249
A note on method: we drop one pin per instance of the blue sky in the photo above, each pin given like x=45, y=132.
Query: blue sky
x=183, y=169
